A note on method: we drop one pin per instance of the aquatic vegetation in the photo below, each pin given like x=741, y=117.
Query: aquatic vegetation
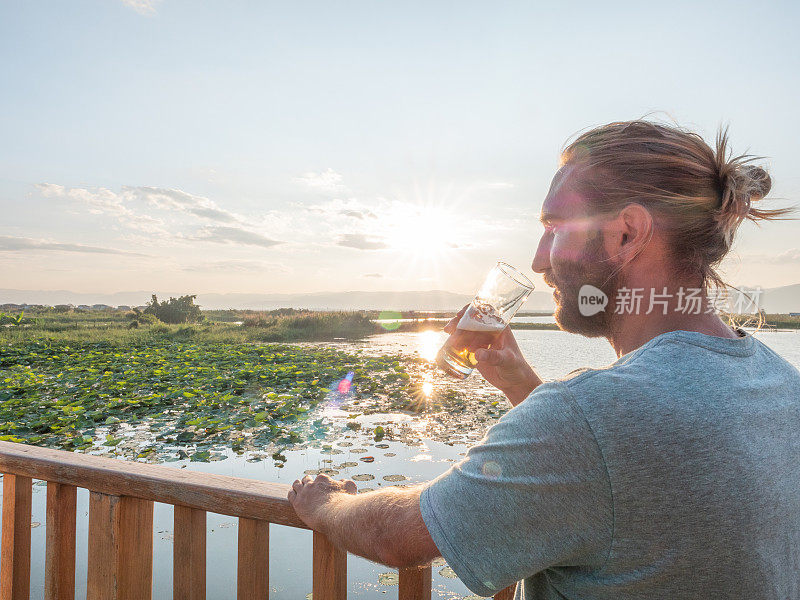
x=187, y=400
x=390, y=578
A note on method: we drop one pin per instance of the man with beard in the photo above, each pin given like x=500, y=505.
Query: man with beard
x=671, y=473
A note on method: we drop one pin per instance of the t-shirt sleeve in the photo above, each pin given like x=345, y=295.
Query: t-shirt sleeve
x=533, y=494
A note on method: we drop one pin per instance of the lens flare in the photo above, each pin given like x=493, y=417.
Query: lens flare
x=346, y=383
x=492, y=470
x=389, y=319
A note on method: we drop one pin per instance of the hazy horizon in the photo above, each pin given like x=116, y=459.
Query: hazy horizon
x=240, y=148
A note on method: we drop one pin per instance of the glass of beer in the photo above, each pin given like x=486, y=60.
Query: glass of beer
x=503, y=292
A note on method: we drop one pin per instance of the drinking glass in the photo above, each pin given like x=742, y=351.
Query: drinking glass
x=502, y=293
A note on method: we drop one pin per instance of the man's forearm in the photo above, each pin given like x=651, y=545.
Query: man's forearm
x=380, y=526
x=521, y=391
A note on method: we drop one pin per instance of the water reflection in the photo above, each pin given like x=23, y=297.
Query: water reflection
x=429, y=342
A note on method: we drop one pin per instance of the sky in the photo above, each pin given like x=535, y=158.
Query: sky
x=273, y=147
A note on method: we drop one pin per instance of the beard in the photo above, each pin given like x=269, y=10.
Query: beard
x=593, y=268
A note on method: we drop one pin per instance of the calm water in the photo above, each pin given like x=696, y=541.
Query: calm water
x=552, y=353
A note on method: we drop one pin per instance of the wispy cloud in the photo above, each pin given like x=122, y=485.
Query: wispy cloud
x=357, y=214
x=143, y=7
x=126, y=205
x=21, y=244
x=787, y=257
x=373, y=275
x=351, y=208
x=104, y=201
x=237, y=266
x=496, y=185
x=361, y=241
x=325, y=181
x=234, y=235
x=173, y=199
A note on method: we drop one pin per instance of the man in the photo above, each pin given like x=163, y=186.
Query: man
x=672, y=473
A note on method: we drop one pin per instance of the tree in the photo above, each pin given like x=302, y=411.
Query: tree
x=175, y=310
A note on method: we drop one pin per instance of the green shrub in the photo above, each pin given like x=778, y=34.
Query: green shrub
x=175, y=310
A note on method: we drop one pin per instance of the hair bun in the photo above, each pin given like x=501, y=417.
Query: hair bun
x=742, y=184
x=755, y=181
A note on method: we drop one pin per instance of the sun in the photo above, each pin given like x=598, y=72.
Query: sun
x=420, y=231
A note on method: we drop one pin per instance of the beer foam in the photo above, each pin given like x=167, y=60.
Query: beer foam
x=482, y=319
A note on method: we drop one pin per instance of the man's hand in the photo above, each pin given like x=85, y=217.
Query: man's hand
x=503, y=365
x=313, y=500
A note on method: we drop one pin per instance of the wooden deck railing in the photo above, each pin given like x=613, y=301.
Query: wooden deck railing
x=120, y=554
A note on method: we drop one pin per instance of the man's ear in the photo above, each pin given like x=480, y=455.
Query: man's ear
x=632, y=231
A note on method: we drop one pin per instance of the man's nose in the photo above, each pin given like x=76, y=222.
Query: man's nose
x=541, y=260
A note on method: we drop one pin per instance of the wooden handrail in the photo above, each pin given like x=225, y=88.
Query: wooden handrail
x=222, y=494
x=120, y=528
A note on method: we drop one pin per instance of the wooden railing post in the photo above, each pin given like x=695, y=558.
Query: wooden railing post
x=189, y=554
x=330, y=570
x=506, y=593
x=59, y=563
x=415, y=583
x=120, y=548
x=252, y=571
x=15, y=572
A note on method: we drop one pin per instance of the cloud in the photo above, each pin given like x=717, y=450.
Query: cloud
x=496, y=185
x=787, y=257
x=351, y=208
x=361, y=241
x=104, y=201
x=358, y=214
x=173, y=199
x=234, y=235
x=239, y=266
x=375, y=275
x=326, y=181
x=143, y=7
x=121, y=205
x=19, y=244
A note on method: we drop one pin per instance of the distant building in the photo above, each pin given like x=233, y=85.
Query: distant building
x=84, y=307
x=123, y=307
x=797, y=314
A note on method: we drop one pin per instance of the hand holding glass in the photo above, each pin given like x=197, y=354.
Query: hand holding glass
x=498, y=300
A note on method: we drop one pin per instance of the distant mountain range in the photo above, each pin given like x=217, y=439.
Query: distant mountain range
x=774, y=300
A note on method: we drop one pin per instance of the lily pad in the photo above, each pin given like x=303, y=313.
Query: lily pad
x=391, y=578
x=363, y=477
x=448, y=573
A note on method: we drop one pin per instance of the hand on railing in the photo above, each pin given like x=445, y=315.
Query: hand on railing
x=311, y=498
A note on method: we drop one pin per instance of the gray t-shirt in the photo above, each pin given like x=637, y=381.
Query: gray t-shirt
x=672, y=473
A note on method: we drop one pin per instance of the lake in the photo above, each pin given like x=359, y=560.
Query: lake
x=423, y=448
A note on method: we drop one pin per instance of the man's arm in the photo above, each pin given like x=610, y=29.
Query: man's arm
x=384, y=526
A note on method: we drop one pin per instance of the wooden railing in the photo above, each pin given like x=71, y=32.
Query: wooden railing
x=120, y=555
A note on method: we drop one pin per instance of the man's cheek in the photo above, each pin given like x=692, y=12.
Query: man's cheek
x=564, y=252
